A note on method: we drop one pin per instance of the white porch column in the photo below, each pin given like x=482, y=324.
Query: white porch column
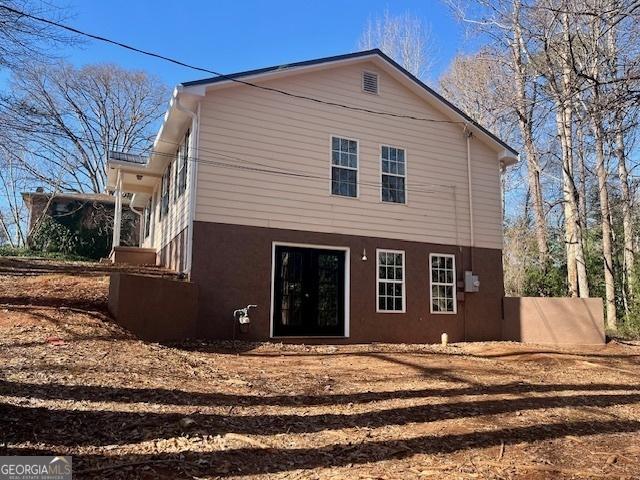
x=117, y=215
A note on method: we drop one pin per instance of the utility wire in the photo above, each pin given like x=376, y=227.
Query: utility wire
x=217, y=159
x=222, y=75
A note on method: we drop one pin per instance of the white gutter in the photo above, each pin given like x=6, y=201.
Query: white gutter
x=193, y=149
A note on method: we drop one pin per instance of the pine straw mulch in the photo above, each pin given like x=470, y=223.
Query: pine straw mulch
x=72, y=382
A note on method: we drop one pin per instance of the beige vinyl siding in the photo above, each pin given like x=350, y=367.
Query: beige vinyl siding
x=175, y=220
x=252, y=130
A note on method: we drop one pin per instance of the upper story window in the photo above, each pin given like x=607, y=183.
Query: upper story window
x=176, y=171
x=393, y=174
x=147, y=219
x=183, y=162
x=344, y=167
x=443, y=283
x=166, y=190
x=391, y=284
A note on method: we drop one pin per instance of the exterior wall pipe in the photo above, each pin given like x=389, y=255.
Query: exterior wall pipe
x=468, y=134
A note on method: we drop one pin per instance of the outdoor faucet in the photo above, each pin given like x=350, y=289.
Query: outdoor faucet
x=242, y=314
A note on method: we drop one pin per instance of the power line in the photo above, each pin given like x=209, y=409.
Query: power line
x=222, y=75
x=217, y=159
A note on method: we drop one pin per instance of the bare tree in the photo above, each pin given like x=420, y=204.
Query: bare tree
x=65, y=119
x=624, y=117
x=23, y=39
x=587, y=59
x=502, y=21
x=13, y=212
x=406, y=38
x=480, y=85
x=525, y=98
x=16, y=223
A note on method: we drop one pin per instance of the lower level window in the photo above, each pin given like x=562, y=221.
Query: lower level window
x=391, y=296
x=443, y=283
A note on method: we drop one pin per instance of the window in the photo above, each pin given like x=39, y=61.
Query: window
x=443, y=283
x=393, y=175
x=391, y=293
x=147, y=220
x=166, y=190
x=176, y=180
x=344, y=167
x=182, y=165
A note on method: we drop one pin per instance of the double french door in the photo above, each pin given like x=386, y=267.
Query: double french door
x=309, y=292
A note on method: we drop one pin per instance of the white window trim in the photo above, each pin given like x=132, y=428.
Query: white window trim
x=403, y=281
x=331, y=165
x=347, y=285
x=377, y=81
x=406, y=171
x=432, y=283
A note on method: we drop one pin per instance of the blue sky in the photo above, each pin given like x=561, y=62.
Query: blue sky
x=230, y=36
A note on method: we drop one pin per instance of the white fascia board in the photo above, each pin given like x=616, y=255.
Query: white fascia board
x=201, y=90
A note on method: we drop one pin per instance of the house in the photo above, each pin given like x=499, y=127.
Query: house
x=92, y=213
x=342, y=196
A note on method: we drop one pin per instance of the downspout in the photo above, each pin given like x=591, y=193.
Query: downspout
x=193, y=148
x=468, y=134
x=141, y=228
x=117, y=214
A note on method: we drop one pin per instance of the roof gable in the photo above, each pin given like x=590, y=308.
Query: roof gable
x=384, y=61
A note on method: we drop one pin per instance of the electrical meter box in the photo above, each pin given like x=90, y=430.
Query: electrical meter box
x=471, y=282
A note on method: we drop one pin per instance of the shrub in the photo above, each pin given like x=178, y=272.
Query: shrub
x=70, y=236
x=549, y=282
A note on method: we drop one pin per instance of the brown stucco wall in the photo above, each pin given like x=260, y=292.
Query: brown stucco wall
x=232, y=268
x=154, y=308
x=133, y=255
x=172, y=254
x=557, y=321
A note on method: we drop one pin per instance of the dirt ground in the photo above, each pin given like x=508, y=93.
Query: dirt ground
x=73, y=383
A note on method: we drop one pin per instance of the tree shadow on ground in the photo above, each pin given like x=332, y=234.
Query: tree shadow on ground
x=251, y=349
x=69, y=427
x=25, y=301
x=163, y=396
x=553, y=353
x=248, y=461
x=29, y=266
x=112, y=333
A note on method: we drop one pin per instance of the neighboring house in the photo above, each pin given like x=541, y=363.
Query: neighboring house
x=93, y=212
x=337, y=222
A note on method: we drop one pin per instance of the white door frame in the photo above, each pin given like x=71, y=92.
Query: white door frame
x=347, y=283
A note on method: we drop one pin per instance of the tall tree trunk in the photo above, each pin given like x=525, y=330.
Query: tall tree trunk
x=582, y=173
x=629, y=256
x=629, y=260
x=595, y=108
x=573, y=229
x=526, y=129
x=603, y=194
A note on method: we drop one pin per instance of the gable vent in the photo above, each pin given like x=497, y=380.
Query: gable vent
x=370, y=82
